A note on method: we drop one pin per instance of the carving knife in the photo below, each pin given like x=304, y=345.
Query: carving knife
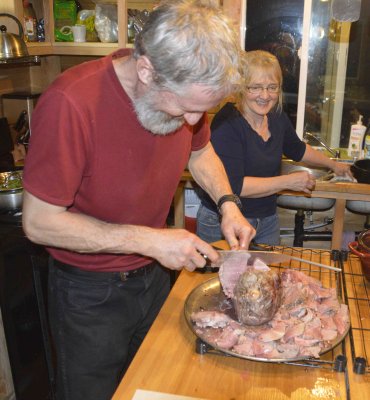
x=268, y=257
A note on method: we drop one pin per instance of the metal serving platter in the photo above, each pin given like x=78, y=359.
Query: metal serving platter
x=209, y=296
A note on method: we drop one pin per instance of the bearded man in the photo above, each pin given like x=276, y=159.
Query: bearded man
x=110, y=140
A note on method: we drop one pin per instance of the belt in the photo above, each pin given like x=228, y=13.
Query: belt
x=123, y=275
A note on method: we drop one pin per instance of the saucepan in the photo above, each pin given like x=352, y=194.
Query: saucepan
x=361, y=170
x=11, y=190
x=362, y=249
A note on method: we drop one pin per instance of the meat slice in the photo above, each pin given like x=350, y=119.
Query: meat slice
x=214, y=319
x=287, y=350
x=341, y=318
x=257, y=296
x=244, y=346
x=294, y=331
x=232, y=267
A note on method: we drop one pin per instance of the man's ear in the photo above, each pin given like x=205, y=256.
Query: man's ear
x=145, y=70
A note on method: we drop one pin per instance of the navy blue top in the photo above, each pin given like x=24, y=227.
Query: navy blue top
x=244, y=153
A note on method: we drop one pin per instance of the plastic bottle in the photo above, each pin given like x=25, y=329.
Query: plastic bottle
x=30, y=22
x=356, y=138
x=367, y=143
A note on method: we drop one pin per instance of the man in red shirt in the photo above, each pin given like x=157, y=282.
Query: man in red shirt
x=110, y=139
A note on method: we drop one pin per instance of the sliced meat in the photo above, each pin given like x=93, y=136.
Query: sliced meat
x=327, y=322
x=319, y=292
x=244, y=346
x=232, y=267
x=263, y=349
x=287, y=350
x=294, y=331
x=271, y=334
x=308, y=322
x=310, y=351
x=329, y=334
x=214, y=319
x=341, y=319
x=328, y=306
x=294, y=295
x=228, y=338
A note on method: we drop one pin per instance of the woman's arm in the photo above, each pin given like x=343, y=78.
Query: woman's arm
x=255, y=187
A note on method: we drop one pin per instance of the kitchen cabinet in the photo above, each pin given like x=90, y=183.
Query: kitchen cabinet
x=45, y=8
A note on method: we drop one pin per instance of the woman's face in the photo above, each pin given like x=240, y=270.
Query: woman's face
x=262, y=93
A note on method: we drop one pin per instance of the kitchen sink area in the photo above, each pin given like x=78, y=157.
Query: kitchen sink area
x=341, y=200
x=300, y=202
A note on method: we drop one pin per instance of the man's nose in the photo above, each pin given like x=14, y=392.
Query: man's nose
x=192, y=118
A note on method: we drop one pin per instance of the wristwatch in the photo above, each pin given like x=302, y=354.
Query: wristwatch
x=229, y=197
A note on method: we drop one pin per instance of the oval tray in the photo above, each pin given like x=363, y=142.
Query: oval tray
x=208, y=296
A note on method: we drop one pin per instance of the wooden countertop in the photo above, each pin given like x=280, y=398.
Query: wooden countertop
x=167, y=363
x=345, y=190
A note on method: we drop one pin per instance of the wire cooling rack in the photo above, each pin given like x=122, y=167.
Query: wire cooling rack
x=357, y=296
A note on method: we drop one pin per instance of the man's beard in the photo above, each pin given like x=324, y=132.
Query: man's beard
x=157, y=122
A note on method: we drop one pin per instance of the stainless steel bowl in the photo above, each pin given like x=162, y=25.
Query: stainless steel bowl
x=11, y=190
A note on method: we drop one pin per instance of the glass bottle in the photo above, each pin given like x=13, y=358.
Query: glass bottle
x=30, y=22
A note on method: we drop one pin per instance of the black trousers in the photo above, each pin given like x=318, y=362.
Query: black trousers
x=98, y=322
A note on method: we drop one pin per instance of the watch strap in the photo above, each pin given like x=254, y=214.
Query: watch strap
x=229, y=197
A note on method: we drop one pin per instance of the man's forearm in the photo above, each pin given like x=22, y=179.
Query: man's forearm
x=209, y=173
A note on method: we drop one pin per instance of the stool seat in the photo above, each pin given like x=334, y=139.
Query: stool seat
x=304, y=203
x=357, y=206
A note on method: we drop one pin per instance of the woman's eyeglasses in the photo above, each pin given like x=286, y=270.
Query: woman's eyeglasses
x=259, y=89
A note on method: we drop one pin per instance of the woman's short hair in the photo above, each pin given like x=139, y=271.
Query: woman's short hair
x=189, y=41
x=257, y=62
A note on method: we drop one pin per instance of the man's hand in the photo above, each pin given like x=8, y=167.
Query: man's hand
x=237, y=230
x=178, y=248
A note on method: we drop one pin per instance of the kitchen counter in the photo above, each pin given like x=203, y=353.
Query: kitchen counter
x=167, y=362
x=340, y=191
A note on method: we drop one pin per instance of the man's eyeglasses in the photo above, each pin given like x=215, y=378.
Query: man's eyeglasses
x=259, y=89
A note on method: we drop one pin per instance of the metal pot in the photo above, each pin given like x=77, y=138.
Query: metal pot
x=362, y=249
x=12, y=45
x=361, y=170
x=11, y=197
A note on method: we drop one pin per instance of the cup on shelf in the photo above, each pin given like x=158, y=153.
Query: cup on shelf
x=79, y=33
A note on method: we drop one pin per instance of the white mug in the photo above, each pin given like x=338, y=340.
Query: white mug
x=79, y=33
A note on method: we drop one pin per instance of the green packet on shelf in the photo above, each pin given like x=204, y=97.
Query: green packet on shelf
x=65, y=15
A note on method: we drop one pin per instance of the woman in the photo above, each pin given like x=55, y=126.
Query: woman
x=250, y=138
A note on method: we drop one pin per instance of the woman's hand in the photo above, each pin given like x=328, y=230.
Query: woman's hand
x=301, y=181
x=342, y=169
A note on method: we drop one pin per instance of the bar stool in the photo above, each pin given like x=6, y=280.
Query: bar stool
x=302, y=205
x=360, y=207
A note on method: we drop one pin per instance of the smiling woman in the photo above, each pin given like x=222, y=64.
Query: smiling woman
x=251, y=137
x=321, y=47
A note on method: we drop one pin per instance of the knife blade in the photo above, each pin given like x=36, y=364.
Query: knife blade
x=268, y=257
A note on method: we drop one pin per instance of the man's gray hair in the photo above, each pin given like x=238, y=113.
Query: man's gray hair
x=190, y=42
